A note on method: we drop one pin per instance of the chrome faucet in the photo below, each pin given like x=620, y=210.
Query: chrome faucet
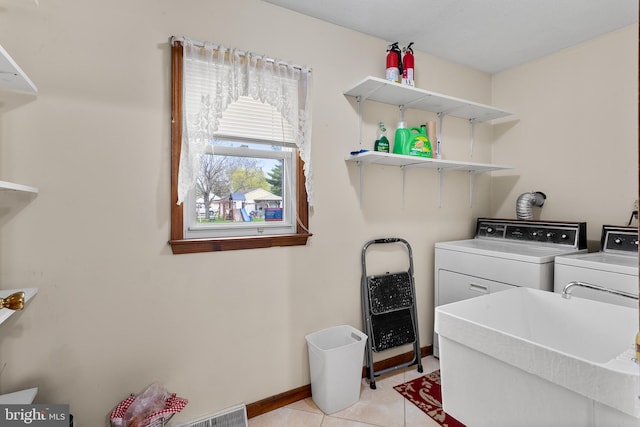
x=566, y=292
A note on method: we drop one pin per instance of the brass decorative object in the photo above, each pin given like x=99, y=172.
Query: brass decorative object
x=14, y=301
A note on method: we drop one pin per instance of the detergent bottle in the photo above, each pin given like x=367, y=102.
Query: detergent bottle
x=402, y=139
x=382, y=143
x=419, y=145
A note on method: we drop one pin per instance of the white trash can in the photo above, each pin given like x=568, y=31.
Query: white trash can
x=335, y=362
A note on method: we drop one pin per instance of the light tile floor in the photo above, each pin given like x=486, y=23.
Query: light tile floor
x=382, y=407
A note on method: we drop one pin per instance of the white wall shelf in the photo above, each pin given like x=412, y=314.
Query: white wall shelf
x=10, y=186
x=12, y=77
x=375, y=157
x=407, y=162
x=16, y=87
x=22, y=397
x=29, y=293
x=381, y=90
x=384, y=91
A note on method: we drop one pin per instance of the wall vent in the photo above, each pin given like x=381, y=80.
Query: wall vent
x=232, y=417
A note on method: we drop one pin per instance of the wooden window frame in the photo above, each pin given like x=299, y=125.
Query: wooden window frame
x=180, y=245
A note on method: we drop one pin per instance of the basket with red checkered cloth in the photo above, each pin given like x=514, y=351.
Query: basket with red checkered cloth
x=173, y=405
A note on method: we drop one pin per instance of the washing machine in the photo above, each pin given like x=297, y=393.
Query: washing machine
x=503, y=254
x=615, y=267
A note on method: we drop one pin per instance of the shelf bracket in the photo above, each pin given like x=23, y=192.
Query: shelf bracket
x=471, y=134
x=471, y=181
x=401, y=107
x=404, y=171
x=360, y=183
x=440, y=171
x=359, y=101
x=440, y=116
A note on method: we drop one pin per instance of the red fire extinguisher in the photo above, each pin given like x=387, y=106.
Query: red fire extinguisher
x=407, y=74
x=394, y=63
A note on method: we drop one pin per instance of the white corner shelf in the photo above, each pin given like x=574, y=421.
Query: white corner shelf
x=381, y=90
x=10, y=186
x=29, y=293
x=12, y=77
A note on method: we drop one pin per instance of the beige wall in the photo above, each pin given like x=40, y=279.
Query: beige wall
x=575, y=134
x=115, y=309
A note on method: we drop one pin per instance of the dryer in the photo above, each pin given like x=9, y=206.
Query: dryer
x=503, y=254
x=614, y=267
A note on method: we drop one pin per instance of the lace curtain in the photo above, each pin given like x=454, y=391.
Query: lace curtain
x=214, y=77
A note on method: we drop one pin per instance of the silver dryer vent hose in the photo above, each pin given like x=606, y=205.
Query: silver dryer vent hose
x=526, y=202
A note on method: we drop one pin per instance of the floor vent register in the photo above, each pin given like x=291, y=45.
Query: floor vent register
x=232, y=417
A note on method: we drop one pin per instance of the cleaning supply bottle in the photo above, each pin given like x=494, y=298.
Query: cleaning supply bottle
x=394, y=63
x=420, y=145
x=407, y=66
x=432, y=134
x=402, y=139
x=382, y=143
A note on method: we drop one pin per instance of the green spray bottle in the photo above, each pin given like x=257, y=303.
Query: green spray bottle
x=420, y=145
x=382, y=143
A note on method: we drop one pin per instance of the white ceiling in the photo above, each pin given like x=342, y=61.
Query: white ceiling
x=488, y=35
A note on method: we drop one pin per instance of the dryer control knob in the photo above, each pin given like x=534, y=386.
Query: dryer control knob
x=617, y=241
x=490, y=230
x=564, y=236
x=549, y=235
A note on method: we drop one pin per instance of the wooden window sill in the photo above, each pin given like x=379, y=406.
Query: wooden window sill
x=234, y=243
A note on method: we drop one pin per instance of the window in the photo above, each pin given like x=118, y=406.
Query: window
x=246, y=180
x=250, y=187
